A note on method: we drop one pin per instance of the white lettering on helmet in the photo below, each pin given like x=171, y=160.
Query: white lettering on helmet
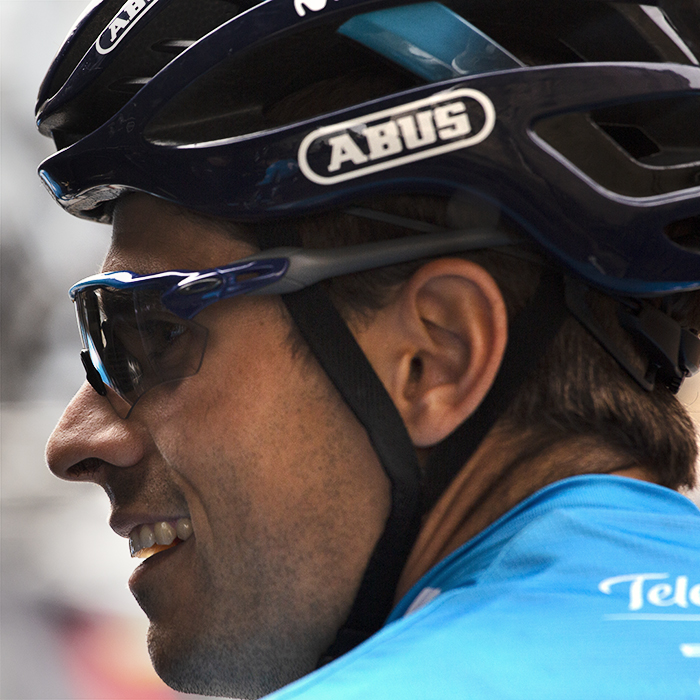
x=314, y=5
x=129, y=14
x=117, y=25
x=417, y=129
x=414, y=131
x=344, y=149
x=383, y=140
x=451, y=121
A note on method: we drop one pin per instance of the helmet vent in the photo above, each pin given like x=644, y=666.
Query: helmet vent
x=243, y=93
x=632, y=139
x=172, y=46
x=685, y=233
x=96, y=95
x=640, y=149
x=129, y=85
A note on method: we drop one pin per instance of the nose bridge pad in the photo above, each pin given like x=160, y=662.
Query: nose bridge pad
x=93, y=376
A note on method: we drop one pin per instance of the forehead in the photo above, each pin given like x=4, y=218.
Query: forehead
x=150, y=235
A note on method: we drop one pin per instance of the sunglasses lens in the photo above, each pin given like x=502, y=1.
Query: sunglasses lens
x=135, y=343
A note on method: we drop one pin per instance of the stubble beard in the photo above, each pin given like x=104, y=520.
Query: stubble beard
x=261, y=664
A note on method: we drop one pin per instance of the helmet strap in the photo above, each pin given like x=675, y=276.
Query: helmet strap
x=335, y=348
x=343, y=361
x=338, y=353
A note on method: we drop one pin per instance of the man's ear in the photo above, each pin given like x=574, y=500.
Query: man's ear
x=437, y=345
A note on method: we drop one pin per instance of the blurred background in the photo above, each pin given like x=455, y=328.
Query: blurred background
x=70, y=628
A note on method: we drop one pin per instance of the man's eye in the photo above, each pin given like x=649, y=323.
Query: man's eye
x=166, y=345
x=162, y=335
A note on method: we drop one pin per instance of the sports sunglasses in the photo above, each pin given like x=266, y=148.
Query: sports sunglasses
x=137, y=330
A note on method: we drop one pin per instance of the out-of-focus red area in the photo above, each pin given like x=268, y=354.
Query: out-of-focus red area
x=105, y=658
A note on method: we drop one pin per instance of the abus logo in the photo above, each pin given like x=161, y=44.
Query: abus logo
x=414, y=131
x=131, y=12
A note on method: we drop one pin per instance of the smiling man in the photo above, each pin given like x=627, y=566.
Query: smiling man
x=285, y=501
x=382, y=361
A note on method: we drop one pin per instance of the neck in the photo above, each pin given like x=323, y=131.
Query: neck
x=508, y=467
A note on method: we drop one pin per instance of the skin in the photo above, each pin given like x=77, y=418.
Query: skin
x=286, y=495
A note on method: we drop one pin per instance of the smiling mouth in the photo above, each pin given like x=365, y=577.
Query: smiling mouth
x=149, y=539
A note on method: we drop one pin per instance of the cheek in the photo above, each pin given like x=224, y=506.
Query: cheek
x=267, y=453
x=241, y=381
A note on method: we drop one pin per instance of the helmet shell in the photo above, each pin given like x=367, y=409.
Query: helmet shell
x=593, y=159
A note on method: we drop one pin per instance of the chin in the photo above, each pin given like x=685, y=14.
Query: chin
x=217, y=666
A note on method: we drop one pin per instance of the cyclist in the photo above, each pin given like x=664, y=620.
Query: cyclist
x=382, y=362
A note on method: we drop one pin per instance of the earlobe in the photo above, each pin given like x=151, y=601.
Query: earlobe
x=438, y=345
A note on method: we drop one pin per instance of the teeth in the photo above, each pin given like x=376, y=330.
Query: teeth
x=164, y=533
x=150, y=539
x=147, y=537
x=183, y=528
x=134, y=543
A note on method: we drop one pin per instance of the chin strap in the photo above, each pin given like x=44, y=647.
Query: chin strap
x=338, y=353
x=341, y=358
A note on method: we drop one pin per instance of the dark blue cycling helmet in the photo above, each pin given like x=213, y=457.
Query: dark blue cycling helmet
x=577, y=118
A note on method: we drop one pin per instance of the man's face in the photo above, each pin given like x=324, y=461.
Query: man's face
x=286, y=496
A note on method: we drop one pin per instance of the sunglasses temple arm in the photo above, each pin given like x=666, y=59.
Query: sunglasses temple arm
x=306, y=267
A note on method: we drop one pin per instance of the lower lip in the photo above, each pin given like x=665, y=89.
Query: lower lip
x=154, y=561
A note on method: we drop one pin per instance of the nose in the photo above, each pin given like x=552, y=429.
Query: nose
x=89, y=433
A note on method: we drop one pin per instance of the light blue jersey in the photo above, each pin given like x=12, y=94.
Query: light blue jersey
x=588, y=590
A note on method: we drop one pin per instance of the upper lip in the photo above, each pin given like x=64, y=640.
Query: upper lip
x=124, y=523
